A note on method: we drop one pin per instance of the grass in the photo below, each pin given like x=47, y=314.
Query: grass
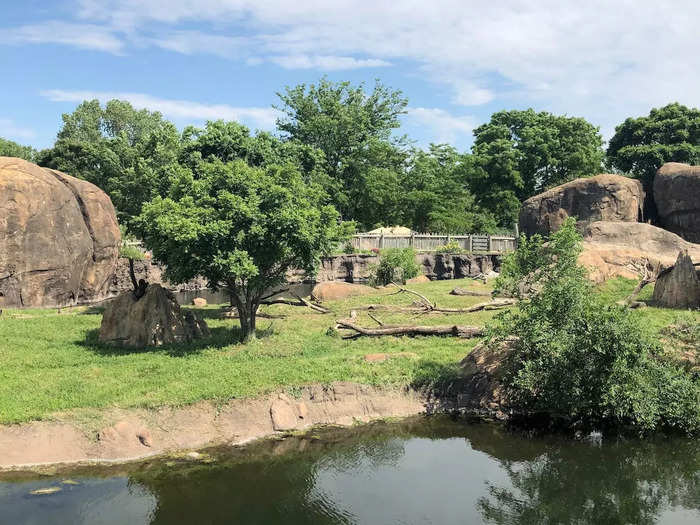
x=52, y=363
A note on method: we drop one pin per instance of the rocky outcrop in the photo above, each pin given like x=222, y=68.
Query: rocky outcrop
x=677, y=199
x=153, y=320
x=616, y=249
x=335, y=291
x=439, y=266
x=600, y=198
x=352, y=268
x=59, y=237
x=480, y=390
x=680, y=286
x=151, y=272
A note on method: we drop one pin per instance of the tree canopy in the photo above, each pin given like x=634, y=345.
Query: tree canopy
x=352, y=128
x=642, y=145
x=241, y=227
x=9, y=148
x=521, y=153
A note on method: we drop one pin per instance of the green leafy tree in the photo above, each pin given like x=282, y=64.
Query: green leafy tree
x=131, y=154
x=395, y=265
x=240, y=227
x=521, y=153
x=9, y=148
x=435, y=194
x=578, y=358
x=642, y=145
x=353, y=129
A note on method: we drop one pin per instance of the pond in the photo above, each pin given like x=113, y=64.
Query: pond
x=423, y=470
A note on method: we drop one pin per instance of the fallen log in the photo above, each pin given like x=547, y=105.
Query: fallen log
x=300, y=301
x=496, y=304
x=412, y=330
x=472, y=293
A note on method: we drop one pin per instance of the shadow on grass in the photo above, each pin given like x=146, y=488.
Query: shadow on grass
x=221, y=337
x=441, y=383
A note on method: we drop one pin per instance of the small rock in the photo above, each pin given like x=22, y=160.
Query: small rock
x=283, y=415
x=418, y=280
x=199, y=301
x=193, y=455
x=145, y=438
x=70, y=482
x=44, y=492
x=303, y=410
x=376, y=358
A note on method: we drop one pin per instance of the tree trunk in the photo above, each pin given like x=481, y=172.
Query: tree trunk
x=247, y=311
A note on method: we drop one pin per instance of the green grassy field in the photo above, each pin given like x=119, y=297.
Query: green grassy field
x=51, y=363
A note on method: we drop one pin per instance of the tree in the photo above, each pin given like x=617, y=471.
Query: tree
x=668, y=134
x=240, y=227
x=580, y=359
x=521, y=153
x=9, y=148
x=353, y=129
x=131, y=154
x=435, y=193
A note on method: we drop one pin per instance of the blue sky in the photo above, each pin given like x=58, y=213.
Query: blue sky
x=456, y=61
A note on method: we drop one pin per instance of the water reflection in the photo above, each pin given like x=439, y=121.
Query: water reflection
x=420, y=471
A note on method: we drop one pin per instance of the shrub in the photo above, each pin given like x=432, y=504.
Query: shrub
x=395, y=265
x=450, y=247
x=584, y=360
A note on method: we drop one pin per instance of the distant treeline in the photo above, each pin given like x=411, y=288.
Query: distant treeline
x=343, y=139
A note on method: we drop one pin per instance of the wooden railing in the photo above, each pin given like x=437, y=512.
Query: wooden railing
x=430, y=242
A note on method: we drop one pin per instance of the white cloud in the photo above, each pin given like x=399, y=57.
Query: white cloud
x=84, y=36
x=444, y=126
x=604, y=60
x=10, y=130
x=263, y=118
x=325, y=62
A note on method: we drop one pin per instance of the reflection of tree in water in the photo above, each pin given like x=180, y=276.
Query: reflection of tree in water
x=271, y=482
x=625, y=482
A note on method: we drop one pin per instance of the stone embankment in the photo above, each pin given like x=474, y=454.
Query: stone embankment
x=129, y=435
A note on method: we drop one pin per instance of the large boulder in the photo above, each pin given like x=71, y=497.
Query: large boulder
x=336, y=290
x=677, y=198
x=626, y=249
x=601, y=198
x=59, y=237
x=153, y=320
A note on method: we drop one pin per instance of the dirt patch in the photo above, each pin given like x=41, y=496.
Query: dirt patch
x=128, y=435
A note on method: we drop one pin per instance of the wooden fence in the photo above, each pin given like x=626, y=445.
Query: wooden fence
x=426, y=242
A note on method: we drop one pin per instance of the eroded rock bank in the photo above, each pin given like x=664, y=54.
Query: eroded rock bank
x=128, y=435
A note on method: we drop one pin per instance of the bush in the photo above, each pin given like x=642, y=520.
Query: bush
x=450, y=247
x=395, y=265
x=584, y=360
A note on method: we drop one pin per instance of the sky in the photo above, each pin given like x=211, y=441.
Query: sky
x=457, y=61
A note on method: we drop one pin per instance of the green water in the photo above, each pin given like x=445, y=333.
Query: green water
x=419, y=471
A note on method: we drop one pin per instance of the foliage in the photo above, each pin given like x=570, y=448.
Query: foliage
x=518, y=154
x=435, y=193
x=131, y=154
x=450, y=247
x=581, y=359
x=128, y=249
x=669, y=134
x=395, y=265
x=240, y=227
x=538, y=261
x=9, y=148
x=353, y=129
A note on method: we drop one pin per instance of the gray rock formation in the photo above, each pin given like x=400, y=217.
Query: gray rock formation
x=600, y=198
x=677, y=198
x=439, y=266
x=59, y=237
x=680, y=286
x=152, y=272
x=153, y=320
